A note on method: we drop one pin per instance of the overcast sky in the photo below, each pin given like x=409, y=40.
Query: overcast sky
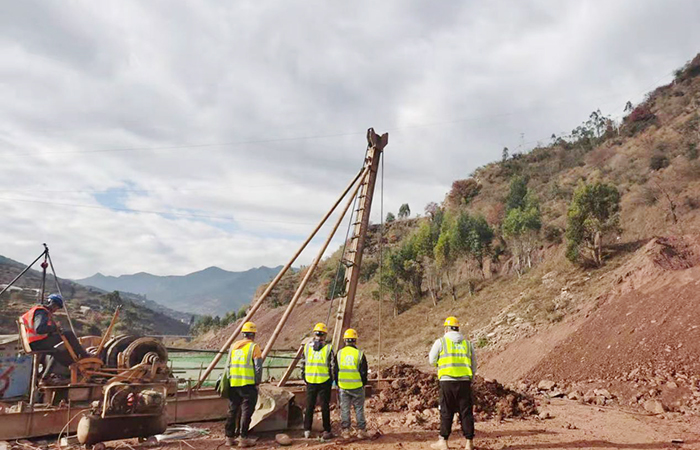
x=169, y=136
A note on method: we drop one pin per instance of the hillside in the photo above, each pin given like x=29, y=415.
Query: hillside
x=135, y=318
x=535, y=309
x=211, y=291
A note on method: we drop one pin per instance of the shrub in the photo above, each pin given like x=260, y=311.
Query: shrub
x=691, y=151
x=463, y=191
x=553, y=234
x=658, y=162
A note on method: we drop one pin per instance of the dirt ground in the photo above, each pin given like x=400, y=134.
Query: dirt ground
x=571, y=426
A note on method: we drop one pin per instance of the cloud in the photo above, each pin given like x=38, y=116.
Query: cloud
x=247, y=119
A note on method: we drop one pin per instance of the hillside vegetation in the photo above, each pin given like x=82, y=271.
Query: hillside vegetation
x=134, y=317
x=523, y=243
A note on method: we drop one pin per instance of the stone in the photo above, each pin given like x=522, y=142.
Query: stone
x=544, y=415
x=283, y=439
x=574, y=395
x=654, y=406
x=556, y=393
x=671, y=385
x=599, y=400
x=546, y=385
x=602, y=393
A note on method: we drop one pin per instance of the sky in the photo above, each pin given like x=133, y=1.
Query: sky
x=170, y=136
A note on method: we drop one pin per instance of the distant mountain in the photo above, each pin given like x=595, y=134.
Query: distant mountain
x=213, y=291
x=91, y=308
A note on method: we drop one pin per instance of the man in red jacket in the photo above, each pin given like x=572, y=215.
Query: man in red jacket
x=43, y=333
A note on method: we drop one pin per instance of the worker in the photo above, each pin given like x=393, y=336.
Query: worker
x=317, y=369
x=351, y=375
x=455, y=360
x=245, y=374
x=44, y=333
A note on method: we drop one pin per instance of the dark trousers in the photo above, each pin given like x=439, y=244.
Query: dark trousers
x=241, y=402
x=456, y=397
x=323, y=392
x=62, y=356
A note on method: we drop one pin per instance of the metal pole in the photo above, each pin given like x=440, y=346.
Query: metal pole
x=58, y=287
x=311, y=269
x=254, y=308
x=44, y=265
x=11, y=283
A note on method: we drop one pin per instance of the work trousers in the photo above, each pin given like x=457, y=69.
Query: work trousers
x=62, y=356
x=354, y=398
x=456, y=397
x=323, y=392
x=241, y=402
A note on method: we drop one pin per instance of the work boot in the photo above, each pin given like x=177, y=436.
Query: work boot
x=362, y=434
x=345, y=434
x=230, y=441
x=470, y=445
x=327, y=436
x=307, y=434
x=441, y=444
x=245, y=442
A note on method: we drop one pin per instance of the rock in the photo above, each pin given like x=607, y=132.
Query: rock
x=556, y=393
x=671, y=385
x=602, y=393
x=374, y=434
x=544, y=415
x=574, y=395
x=654, y=406
x=283, y=439
x=546, y=385
x=4, y=445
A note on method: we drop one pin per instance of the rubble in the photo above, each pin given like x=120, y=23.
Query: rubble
x=417, y=393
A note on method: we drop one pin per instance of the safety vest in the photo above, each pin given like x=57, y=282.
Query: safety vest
x=28, y=322
x=454, y=359
x=316, y=364
x=241, y=368
x=349, y=359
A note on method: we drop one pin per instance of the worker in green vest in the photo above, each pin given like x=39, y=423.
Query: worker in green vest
x=245, y=373
x=456, y=363
x=317, y=370
x=351, y=374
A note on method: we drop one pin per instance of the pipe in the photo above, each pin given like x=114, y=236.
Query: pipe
x=310, y=270
x=254, y=308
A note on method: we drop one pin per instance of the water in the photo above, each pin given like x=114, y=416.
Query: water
x=187, y=366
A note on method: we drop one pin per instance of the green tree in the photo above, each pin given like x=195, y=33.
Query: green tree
x=471, y=238
x=444, y=254
x=242, y=312
x=521, y=229
x=517, y=193
x=593, y=213
x=404, y=211
x=336, y=285
x=390, y=217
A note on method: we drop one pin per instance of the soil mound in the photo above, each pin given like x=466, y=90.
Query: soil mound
x=417, y=391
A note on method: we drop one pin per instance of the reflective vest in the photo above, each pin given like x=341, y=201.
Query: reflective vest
x=454, y=359
x=316, y=364
x=241, y=368
x=349, y=359
x=28, y=322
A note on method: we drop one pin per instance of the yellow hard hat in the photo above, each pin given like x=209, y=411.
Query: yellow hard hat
x=451, y=322
x=350, y=334
x=249, y=327
x=321, y=327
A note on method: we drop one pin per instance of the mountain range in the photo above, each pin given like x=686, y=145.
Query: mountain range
x=212, y=291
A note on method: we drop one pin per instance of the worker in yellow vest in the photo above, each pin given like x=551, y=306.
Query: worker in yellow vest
x=351, y=375
x=455, y=360
x=317, y=370
x=245, y=373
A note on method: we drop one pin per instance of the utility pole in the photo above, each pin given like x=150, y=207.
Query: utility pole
x=353, y=257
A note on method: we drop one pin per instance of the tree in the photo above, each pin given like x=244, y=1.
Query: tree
x=517, y=193
x=404, y=211
x=390, y=217
x=471, y=238
x=521, y=229
x=463, y=191
x=431, y=209
x=593, y=213
x=504, y=154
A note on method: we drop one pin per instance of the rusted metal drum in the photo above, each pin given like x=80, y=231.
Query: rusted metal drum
x=93, y=428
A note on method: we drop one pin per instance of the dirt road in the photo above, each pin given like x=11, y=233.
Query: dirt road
x=572, y=426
